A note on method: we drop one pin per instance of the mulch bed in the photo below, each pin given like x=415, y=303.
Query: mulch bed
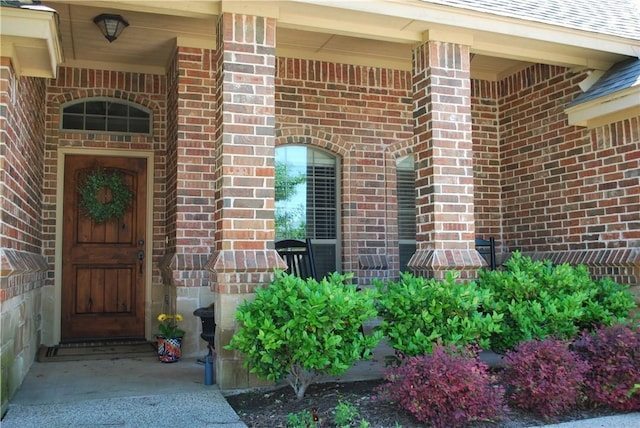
x=269, y=409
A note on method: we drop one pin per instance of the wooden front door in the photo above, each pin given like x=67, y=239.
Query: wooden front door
x=103, y=263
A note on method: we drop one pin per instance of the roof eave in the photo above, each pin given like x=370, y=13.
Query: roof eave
x=414, y=22
x=599, y=111
x=31, y=39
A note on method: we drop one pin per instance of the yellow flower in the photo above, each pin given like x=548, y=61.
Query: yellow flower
x=168, y=325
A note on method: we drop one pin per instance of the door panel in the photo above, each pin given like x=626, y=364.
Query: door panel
x=103, y=279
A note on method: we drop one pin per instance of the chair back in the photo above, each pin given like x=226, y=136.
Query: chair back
x=487, y=249
x=298, y=255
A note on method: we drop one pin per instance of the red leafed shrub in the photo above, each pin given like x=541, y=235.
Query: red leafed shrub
x=614, y=355
x=445, y=389
x=544, y=377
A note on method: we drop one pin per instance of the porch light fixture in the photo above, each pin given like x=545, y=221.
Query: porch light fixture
x=110, y=25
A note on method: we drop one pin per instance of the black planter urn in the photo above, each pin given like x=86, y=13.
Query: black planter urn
x=208, y=325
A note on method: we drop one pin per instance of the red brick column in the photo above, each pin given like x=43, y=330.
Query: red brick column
x=444, y=161
x=243, y=256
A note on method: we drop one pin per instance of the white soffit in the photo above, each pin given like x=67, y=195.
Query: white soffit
x=30, y=39
x=421, y=13
x=379, y=33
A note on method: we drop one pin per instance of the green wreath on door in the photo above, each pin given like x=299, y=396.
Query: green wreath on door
x=98, y=210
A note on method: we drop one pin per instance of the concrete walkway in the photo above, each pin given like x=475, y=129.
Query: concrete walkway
x=135, y=392
x=142, y=392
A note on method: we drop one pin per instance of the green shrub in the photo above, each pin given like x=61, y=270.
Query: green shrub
x=299, y=329
x=346, y=415
x=417, y=313
x=302, y=419
x=609, y=304
x=540, y=300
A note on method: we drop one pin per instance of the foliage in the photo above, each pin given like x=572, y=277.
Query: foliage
x=169, y=326
x=286, y=181
x=445, y=389
x=300, y=328
x=540, y=300
x=613, y=353
x=609, y=303
x=346, y=415
x=302, y=419
x=418, y=312
x=100, y=211
x=290, y=222
x=545, y=376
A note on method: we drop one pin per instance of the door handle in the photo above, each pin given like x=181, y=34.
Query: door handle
x=140, y=256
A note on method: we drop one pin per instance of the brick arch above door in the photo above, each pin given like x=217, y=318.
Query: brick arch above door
x=56, y=102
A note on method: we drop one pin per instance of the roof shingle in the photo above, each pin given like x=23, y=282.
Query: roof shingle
x=623, y=75
x=612, y=17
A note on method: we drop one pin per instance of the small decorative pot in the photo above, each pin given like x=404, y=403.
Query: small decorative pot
x=169, y=349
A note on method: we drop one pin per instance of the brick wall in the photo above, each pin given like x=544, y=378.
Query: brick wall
x=21, y=159
x=570, y=193
x=22, y=267
x=171, y=191
x=22, y=127
x=190, y=193
x=356, y=113
x=195, y=151
x=486, y=160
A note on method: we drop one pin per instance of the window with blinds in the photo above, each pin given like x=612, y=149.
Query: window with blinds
x=306, y=202
x=106, y=115
x=406, y=191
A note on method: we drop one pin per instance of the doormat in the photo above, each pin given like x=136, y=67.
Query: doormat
x=96, y=351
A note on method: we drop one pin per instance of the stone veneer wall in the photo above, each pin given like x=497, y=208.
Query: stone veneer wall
x=22, y=266
x=570, y=193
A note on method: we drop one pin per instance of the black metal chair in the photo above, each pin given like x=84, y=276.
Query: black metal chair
x=298, y=255
x=487, y=249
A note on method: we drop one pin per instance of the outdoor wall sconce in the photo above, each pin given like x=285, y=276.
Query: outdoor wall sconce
x=110, y=25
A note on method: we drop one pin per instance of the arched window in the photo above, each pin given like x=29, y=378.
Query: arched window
x=106, y=115
x=306, y=201
x=406, y=191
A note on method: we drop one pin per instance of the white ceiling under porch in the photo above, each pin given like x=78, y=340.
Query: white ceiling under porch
x=374, y=33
